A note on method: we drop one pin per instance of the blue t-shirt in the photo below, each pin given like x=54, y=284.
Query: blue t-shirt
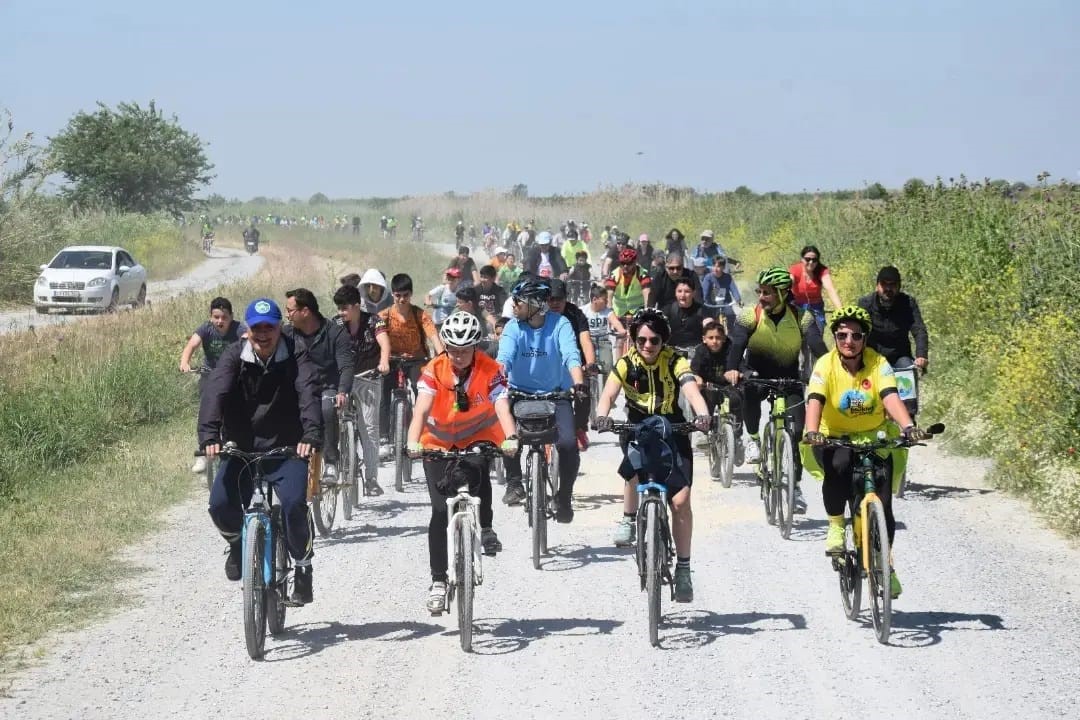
x=214, y=342
x=538, y=360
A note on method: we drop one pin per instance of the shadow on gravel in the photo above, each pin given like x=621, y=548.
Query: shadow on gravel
x=571, y=557
x=500, y=636
x=697, y=628
x=917, y=491
x=312, y=638
x=925, y=629
x=376, y=510
x=365, y=533
x=594, y=502
x=808, y=529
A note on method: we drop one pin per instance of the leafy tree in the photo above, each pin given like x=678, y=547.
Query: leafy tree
x=319, y=199
x=130, y=159
x=876, y=191
x=521, y=190
x=914, y=187
x=743, y=191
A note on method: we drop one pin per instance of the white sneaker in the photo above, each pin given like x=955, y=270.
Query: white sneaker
x=752, y=451
x=436, y=601
x=200, y=465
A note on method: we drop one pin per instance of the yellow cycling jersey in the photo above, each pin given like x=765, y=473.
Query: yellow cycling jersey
x=652, y=389
x=852, y=403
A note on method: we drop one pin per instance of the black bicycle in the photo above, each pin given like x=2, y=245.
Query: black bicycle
x=401, y=402
x=776, y=468
x=866, y=552
x=266, y=566
x=535, y=416
x=655, y=547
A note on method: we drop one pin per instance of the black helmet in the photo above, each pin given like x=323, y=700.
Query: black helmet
x=531, y=290
x=652, y=318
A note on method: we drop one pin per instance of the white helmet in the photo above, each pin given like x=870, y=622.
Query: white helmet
x=461, y=330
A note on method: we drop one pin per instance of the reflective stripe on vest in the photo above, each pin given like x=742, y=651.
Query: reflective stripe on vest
x=632, y=296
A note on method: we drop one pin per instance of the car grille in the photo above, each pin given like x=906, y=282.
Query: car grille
x=67, y=285
x=67, y=299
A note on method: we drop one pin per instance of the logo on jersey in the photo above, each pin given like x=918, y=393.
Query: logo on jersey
x=854, y=402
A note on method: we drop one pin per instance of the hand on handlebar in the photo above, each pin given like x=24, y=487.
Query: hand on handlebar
x=581, y=392
x=303, y=450
x=915, y=434
x=509, y=447
x=340, y=399
x=415, y=450
x=733, y=376
x=703, y=422
x=211, y=451
x=603, y=423
x=813, y=437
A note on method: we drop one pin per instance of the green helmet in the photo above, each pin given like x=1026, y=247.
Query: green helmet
x=852, y=312
x=777, y=277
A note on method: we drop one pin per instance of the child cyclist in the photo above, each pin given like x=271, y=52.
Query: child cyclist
x=708, y=366
x=653, y=376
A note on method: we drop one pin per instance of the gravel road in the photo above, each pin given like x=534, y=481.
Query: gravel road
x=986, y=627
x=223, y=266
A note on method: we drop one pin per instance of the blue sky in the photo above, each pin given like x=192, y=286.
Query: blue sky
x=412, y=97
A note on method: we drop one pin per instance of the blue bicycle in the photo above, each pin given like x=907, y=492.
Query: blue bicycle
x=266, y=565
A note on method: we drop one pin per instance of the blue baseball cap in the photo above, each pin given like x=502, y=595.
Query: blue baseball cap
x=263, y=310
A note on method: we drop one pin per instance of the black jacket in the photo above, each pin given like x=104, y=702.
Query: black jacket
x=331, y=349
x=662, y=289
x=532, y=261
x=686, y=324
x=893, y=325
x=262, y=408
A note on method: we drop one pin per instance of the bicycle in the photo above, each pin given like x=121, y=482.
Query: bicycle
x=597, y=379
x=535, y=416
x=866, y=552
x=346, y=481
x=776, y=469
x=266, y=566
x=655, y=546
x=211, y=464
x=367, y=392
x=907, y=386
x=723, y=450
x=401, y=399
x=463, y=540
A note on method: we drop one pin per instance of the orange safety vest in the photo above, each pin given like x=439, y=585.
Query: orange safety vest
x=446, y=427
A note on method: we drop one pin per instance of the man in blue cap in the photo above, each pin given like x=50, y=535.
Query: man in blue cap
x=263, y=394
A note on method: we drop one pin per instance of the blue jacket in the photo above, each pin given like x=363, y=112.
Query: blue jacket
x=539, y=359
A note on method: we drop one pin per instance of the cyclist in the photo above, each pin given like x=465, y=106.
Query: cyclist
x=663, y=284
x=330, y=349
x=708, y=363
x=579, y=323
x=539, y=355
x=676, y=242
x=720, y=291
x=707, y=247
x=896, y=318
x=572, y=247
x=263, y=395
x=851, y=391
x=653, y=376
x=371, y=347
x=467, y=266
x=645, y=251
x=809, y=280
x=461, y=400
x=541, y=258
x=771, y=334
x=373, y=290
x=442, y=298
x=459, y=232
x=509, y=273
x=629, y=286
x=615, y=246
x=602, y=322
x=251, y=235
x=214, y=335
x=490, y=296
x=686, y=319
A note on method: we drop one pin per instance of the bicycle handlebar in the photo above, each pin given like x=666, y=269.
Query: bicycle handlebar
x=881, y=443
x=230, y=450
x=779, y=384
x=553, y=395
x=683, y=428
x=480, y=450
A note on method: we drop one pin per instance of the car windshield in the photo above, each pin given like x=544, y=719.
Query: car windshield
x=82, y=260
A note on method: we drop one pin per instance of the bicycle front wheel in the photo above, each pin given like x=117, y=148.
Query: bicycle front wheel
x=727, y=454
x=347, y=469
x=278, y=592
x=211, y=472
x=880, y=591
x=538, y=510
x=765, y=472
x=463, y=571
x=653, y=558
x=784, y=483
x=850, y=570
x=324, y=505
x=401, y=460
x=254, y=587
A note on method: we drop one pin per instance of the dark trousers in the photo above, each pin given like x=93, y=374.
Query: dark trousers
x=234, y=486
x=566, y=442
x=836, y=490
x=480, y=480
x=796, y=408
x=714, y=396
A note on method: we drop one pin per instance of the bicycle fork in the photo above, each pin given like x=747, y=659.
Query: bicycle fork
x=469, y=514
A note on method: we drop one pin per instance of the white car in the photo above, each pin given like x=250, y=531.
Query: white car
x=90, y=277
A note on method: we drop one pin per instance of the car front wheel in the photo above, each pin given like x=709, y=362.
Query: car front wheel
x=140, y=299
x=114, y=303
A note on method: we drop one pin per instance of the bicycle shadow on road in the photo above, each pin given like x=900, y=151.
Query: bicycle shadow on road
x=929, y=493
x=308, y=639
x=367, y=532
x=382, y=510
x=927, y=628
x=570, y=557
x=698, y=628
x=595, y=502
x=500, y=636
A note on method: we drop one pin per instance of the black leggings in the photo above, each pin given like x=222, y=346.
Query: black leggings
x=836, y=490
x=434, y=471
x=796, y=408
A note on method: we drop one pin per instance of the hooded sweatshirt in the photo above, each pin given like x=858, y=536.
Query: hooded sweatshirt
x=374, y=277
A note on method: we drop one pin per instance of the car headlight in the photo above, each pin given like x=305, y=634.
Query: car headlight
x=42, y=280
x=97, y=282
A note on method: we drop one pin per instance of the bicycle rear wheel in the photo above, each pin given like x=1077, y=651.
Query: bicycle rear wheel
x=880, y=591
x=254, y=587
x=278, y=592
x=538, y=509
x=401, y=461
x=849, y=569
x=784, y=486
x=765, y=471
x=498, y=469
x=324, y=505
x=463, y=570
x=653, y=559
x=211, y=472
x=347, y=469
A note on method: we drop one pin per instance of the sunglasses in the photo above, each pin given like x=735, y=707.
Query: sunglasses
x=462, y=399
x=643, y=341
x=809, y=259
x=845, y=336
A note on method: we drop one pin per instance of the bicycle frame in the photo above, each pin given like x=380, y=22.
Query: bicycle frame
x=464, y=507
x=654, y=493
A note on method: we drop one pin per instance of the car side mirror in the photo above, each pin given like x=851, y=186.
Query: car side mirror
x=123, y=269
x=43, y=266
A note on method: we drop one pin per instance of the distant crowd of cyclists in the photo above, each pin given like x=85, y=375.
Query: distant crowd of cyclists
x=666, y=329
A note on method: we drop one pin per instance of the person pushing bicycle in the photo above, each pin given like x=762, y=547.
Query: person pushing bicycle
x=461, y=400
x=653, y=375
x=852, y=389
x=264, y=394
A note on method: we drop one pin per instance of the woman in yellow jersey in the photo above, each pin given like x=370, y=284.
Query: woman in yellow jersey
x=652, y=376
x=851, y=391
x=461, y=399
